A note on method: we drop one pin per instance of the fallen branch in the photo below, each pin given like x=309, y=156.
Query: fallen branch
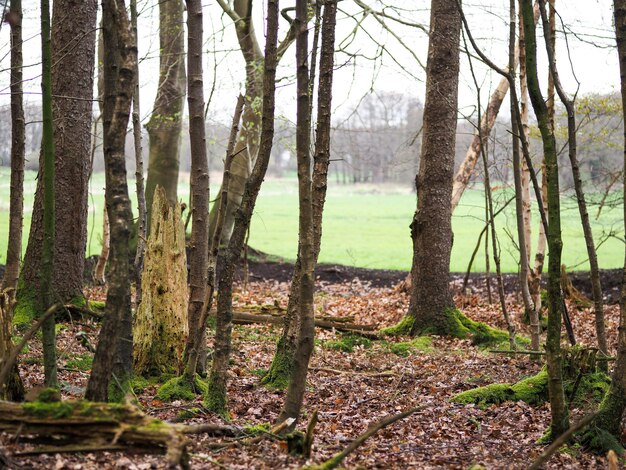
x=559, y=441
x=334, y=461
x=241, y=318
x=385, y=373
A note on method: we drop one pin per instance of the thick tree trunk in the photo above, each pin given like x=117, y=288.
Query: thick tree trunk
x=558, y=406
x=216, y=395
x=614, y=403
x=114, y=344
x=282, y=362
x=431, y=302
x=18, y=140
x=165, y=125
x=72, y=89
x=160, y=328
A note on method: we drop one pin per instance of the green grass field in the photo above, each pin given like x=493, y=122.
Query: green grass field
x=368, y=225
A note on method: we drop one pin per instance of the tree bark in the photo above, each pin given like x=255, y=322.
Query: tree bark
x=306, y=244
x=72, y=90
x=119, y=66
x=199, y=246
x=431, y=302
x=165, y=125
x=18, y=141
x=216, y=396
x=558, y=406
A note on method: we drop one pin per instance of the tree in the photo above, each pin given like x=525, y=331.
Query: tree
x=165, y=125
x=216, y=395
x=72, y=90
x=431, y=307
x=558, y=406
x=18, y=143
x=282, y=369
x=113, y=355
x=199, y=246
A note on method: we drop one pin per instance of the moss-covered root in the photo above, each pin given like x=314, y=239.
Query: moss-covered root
x=181, y=388
x=451, y=322
x=25, y=309
x=277, y=376
x=215, y=399
x=533, y=390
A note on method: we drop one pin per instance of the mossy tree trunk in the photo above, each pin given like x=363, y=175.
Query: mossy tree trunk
x=18, y=140
x=216, y=394
x=558, y=406
x=47, y=249
x=160, y=329
x=612, y=408
x=114, y=350
x=13, y=389
x=165, y=125
x=431, y=306
x=282, y=363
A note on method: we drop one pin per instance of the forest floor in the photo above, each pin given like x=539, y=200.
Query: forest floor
x=350, y=390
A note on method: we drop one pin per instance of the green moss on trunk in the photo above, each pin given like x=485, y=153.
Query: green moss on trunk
x=215, y=399
x=181, y=388
x=280, y=370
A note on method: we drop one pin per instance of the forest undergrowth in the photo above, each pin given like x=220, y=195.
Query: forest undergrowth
x=353, y=383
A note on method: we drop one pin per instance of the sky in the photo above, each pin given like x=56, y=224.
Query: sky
x=370, y=56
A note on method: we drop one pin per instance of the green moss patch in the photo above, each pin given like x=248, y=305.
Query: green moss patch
x=277, y=377
x=347, y=343
x=180, y=388
x=406, y=348
x=403, y=328
x=81, y=362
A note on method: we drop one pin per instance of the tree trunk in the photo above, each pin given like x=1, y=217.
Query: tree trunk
x=612, y=408
x=431, y=306
x=199, y=246
x=47, y=249
x=18, y=141
x=282, y=363
x=596, y=286
x=165, y=125
x=72, y=89
x=307, y=253
x=558, y=406
x=112, y=355
x=160, y=328
x=12, y=389
x=216, y=395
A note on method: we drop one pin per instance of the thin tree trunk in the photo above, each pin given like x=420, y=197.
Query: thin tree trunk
x=99, y=271
x=165, y=125
x=558, y=405
x=120, y=49
x=142, y=228
x=312, y=194
x=282, y=363
x=535, y=328
x=199, y=246
x=216, y=395
x=578, y=186
x=18, y=140
x=47, y=250
x=466, y=169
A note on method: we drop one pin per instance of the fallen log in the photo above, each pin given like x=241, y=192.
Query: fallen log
x=241, y=318
x=93, y=426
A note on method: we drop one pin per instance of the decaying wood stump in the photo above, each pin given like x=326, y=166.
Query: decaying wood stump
x=160, y=328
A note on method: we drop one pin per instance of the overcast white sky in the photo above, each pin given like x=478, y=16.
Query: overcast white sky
x=587, y=24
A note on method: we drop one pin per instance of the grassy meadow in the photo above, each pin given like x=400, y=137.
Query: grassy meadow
x=367, y=225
